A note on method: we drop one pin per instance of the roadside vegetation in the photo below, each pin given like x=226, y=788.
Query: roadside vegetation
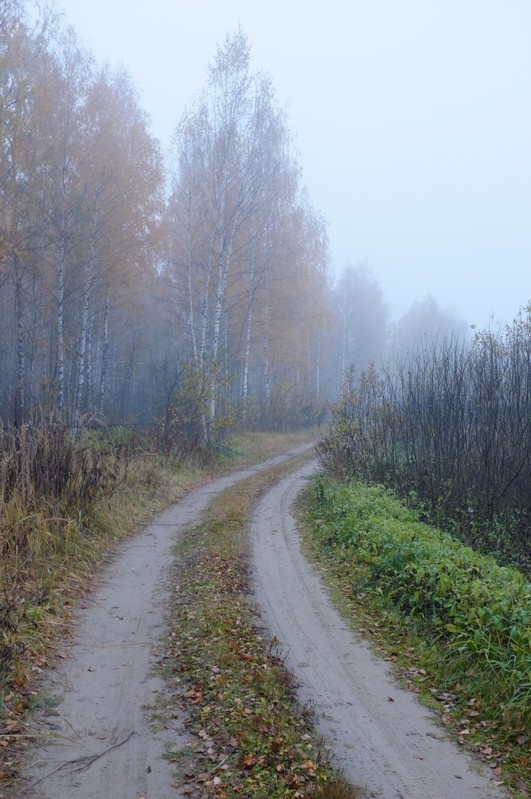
x=449, y=429
x=422, y=517
x=65, y=501
x=456, y=623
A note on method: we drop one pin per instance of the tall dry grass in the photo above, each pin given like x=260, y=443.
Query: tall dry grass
x=64, y=499
x=337, y=789
x=51, y=486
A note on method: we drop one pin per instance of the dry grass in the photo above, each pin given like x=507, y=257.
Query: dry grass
x=337, y=789
x=255, y=447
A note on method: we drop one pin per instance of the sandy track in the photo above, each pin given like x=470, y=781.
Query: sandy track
x=382, y=738
x=96, y=741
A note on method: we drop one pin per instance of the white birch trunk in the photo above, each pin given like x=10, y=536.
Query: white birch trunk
x=20, y=390
x=105, y=353
x=82, y=348
x=60, y=390
x=248, y=338
x=267, y=375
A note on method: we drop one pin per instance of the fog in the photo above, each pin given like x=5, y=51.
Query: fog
x=412, y=121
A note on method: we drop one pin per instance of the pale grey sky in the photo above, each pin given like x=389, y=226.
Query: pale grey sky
x=412, y=121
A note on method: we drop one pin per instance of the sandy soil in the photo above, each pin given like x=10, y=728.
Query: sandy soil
x=381, y=737
x=94, y=738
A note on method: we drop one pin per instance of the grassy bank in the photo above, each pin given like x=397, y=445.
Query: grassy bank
x=456, y=623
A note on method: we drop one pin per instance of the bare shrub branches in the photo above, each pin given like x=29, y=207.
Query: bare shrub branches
x=450, y=428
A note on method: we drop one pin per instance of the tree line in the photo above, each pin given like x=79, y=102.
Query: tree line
x=117, y=293
x=81, y=200
x=194, y=290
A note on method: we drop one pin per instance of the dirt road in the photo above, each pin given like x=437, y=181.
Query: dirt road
x=382, y=738
x=95, y=739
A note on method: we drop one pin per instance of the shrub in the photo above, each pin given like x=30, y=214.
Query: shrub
x=449, y=428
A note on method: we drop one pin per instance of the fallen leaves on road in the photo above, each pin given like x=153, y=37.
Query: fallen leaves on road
x=251, y=738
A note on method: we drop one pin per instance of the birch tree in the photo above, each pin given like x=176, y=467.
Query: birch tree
x=24, y=66
x=81, y=198
x=234, y=189
x=123, y=181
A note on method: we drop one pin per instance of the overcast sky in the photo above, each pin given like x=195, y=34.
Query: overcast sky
x=412, y=120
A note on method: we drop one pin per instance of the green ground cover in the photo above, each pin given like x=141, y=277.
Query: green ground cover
x=458, y=623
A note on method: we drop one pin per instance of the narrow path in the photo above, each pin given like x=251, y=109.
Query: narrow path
x=95, y=739
x=382, y=738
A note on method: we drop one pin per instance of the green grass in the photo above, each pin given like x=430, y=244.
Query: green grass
x=457, y=624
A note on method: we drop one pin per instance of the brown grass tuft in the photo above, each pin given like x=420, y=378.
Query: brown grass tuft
x=337, y=789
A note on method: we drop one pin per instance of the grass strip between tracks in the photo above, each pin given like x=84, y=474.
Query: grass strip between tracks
x=250, y=737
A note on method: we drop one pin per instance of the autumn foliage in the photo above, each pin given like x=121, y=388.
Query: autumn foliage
x=112, y=288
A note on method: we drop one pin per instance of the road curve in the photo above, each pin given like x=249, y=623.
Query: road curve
x=382, y=738
x=94, y=739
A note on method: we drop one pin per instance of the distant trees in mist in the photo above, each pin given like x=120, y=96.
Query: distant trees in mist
x=423, y=323
x=197, y=292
